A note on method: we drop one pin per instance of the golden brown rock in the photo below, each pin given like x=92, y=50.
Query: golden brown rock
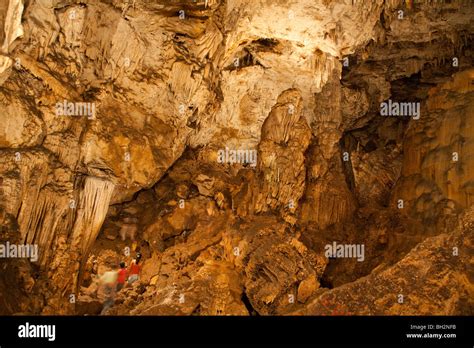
x=231, y=143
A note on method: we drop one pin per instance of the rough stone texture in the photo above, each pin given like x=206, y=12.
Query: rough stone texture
x=300, y=82
x=431, y=278
x=436, y=180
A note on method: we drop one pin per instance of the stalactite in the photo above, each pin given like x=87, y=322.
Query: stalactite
x=92, y=208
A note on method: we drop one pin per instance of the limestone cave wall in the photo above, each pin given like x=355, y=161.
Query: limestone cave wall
x=231, y=142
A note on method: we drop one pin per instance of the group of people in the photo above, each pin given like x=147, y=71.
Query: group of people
x=114, y=281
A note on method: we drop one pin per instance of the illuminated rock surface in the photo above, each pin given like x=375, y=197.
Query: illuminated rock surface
x=114, y=115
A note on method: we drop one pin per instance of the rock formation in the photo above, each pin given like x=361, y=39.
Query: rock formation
x=264, y=157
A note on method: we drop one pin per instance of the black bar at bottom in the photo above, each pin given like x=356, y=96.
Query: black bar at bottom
x=139, y=331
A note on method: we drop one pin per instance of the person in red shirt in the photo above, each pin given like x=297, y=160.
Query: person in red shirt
x=122, y=276
x=134, y=270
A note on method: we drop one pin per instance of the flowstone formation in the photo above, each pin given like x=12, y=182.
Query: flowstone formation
x=304, y=157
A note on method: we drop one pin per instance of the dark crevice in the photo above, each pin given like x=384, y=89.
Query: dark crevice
x=326, y=281
x=248, y=305
x=266, y=43
x=197, y=310
x=347, y=163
